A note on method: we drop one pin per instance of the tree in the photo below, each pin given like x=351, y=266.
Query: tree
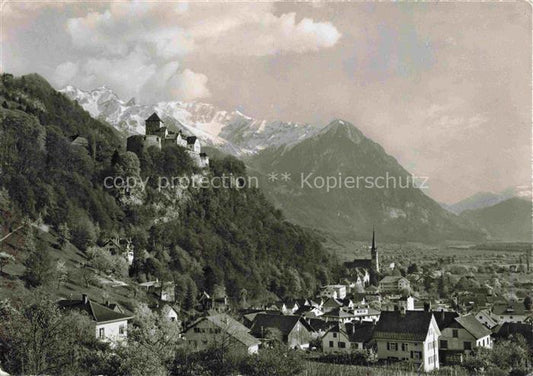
x=39, y=270
x=83, y=233
x=36, y=338
x=413, y=268
x=273, y=362
x=528, y=303
x=63, y=235
x=153, y=341
x=61, y=272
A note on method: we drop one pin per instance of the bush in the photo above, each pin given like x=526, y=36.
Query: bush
x=272, y=362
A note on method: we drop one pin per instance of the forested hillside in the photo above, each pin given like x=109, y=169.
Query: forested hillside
x=198, y=238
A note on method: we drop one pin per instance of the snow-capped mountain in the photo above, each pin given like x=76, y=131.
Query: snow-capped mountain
x=231, y=131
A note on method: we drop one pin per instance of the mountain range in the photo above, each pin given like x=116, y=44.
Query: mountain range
x=340, y=151
x=482, y=200
x=508, y=220
x=337, y=150
x=231, y=131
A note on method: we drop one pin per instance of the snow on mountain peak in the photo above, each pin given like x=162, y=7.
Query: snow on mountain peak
x=232, y=131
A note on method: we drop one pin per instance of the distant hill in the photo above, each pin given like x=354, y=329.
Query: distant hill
x=485, y=199
x=509, y=220
x=341, y=150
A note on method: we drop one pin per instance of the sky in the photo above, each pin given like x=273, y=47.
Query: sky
x=445, y=88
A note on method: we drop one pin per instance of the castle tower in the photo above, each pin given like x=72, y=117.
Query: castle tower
x=374, y=255
x=153, y=124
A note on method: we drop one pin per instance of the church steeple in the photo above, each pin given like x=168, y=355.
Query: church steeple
x=374, y=255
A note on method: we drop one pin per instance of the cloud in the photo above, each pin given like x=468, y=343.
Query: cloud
x=65, y=72
x=135, y=75
x=137, y=48
x=256, y=31
x=189, y=85
x=171, y=30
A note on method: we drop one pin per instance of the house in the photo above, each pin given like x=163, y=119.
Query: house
x=394, y=284
x=291, y=330
x=364, y=313
x=220, y=330
x=308, y=311
x=486, y=319
x=109, y=325
x=344, y=338
x=164, y=291
x=333, y=291
x=398, y=303
x=169, y=312
x=331, y=303
x=319, y=327
x=339, y=314
x=515, y=311
x=408, y=335
x=193, y=144
x=460, y=335
x=120, y=246
x=287, y=308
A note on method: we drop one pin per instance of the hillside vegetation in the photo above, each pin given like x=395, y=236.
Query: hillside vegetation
x=202, y=239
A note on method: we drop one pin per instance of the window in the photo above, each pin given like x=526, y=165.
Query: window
x=455, y=333
x=404, y=346
x=391, y=346
x=342, y=345
x=330, y=343
x=334, y=335
x=101, y=333
x=197, y=330
x=121, y=329
x=443, y=344
x=468, y=345
x=416, y=355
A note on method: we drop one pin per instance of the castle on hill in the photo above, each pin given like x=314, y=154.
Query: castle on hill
x=159, y=136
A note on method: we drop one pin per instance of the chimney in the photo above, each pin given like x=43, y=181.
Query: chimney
x=443, y=315
x=85, y=298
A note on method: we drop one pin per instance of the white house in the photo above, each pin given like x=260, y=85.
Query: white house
x=398, y=303
x=109, y=325
x=408, y=335
x=334, y=291
x=486, y=319
x=504, y=312
x=344, y=338
x=460, y=335
x=393, y=284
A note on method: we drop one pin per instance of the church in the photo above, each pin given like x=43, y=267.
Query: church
x=363, y=268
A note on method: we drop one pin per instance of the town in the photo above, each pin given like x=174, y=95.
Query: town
x=384, y=325
x=385, y=313
x=305, y=188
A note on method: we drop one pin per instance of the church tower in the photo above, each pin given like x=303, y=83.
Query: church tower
x=374, y=255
